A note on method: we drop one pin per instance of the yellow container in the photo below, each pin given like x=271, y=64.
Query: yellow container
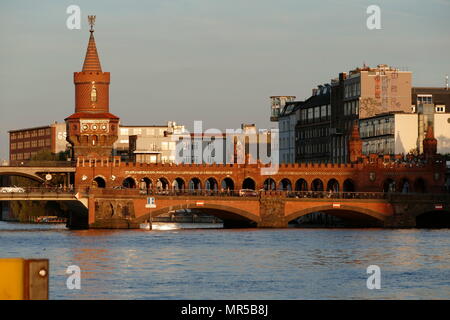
x=23, y=279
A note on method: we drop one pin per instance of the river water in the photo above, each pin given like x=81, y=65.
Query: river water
x=237, y=264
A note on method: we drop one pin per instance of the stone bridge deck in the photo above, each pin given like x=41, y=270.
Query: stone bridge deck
x=109, y=208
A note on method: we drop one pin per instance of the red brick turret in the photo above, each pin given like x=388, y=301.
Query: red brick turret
x=429, y=143
x=92, y=130
x=355, y=144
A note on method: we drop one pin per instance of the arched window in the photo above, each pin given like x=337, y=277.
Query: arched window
x=249, y=183
x=101, y=183
x=285, y=185
x=317, y=185
x=129, y=183
x=333, y=185
x=211, y=184
x=195, y=184
x=93, y=93
x=227, y=184
x=301, y=185
x=269, y=184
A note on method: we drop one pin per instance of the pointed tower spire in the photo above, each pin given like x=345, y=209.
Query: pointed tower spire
x=91, y=62
x=92, y=129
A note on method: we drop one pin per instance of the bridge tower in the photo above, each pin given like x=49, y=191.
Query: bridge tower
x=92, y=130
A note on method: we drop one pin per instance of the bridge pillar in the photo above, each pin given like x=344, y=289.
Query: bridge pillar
x=111, y=213
x=272, y=212
x=404, y=215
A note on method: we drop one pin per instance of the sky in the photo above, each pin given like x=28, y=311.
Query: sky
x=217, y=61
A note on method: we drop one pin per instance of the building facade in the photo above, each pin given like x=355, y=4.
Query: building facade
x=24, y=144
x=312, y=130
x=147, y=143
x=287, y=120
x=389, y=133
x=324, y=135
x=428, y=103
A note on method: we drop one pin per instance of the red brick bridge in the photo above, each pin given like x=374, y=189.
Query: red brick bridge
x=377, y=191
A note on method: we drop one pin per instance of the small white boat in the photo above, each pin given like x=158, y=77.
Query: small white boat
x=165, y=226
x=146, y=226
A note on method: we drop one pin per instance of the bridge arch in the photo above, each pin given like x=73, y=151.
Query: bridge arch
x=100, y=181
x=129, y=182
x=269, y=184
x=180, y=183
x=211, y=184
x=195, y=184
x=227, y=184
x=333, y=185
x=405, y=185
x=33, y=177
x=317, y=185
x=162, y=183
x=301, y=185
x=351, y=214
x=148, y=182
x=230, y=215
x=433, y=219
x=249, y=183
x=285, y=185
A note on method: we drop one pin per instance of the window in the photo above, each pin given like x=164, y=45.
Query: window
x=20, y=145
x=310, y=114
x=424, y=99
x=323, y=112
x=94, y=94
x=316, y=112
x=26, y=144
x=13, y=146
x=34, y=143
x=440, y=108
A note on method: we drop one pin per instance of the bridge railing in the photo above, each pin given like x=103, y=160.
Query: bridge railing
x=36, y=190
x=41, y=163
x=336, y=195
x=237, y=193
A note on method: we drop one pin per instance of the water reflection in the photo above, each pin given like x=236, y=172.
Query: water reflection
x=238, y=264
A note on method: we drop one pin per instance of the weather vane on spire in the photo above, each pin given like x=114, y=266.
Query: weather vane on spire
x=91, y=20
